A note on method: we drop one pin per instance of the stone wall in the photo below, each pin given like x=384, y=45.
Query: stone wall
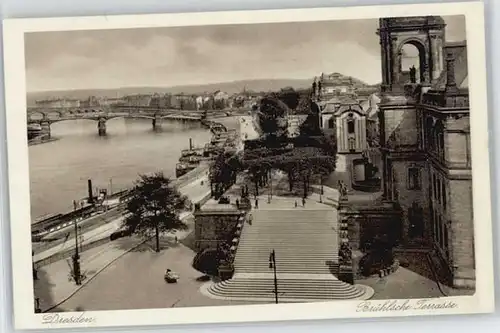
x=462, y=233
x=215, y=225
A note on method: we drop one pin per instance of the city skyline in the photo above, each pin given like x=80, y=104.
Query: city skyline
x=174, y=56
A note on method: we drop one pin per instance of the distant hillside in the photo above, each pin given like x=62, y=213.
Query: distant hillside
x=229, y=87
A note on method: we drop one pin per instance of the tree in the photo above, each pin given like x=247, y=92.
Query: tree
x=290, y=97
x=223, y=173
x=154, y=207
x=272, y=117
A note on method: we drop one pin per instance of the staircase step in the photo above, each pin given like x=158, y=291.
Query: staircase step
x=306, y=246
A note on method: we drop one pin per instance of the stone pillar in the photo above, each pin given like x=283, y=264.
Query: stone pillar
x=45, y=124
x=156, y=122
x=396, y=63
x=346, y=273
x=101, y=127
x=434, y=55
x=451, y=85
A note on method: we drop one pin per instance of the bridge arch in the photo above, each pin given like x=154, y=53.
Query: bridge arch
x=36, y=116
x=54, y=114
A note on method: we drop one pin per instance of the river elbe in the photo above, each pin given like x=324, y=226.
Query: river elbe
x=59, y=169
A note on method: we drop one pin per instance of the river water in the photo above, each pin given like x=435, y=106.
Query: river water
x=59, y=169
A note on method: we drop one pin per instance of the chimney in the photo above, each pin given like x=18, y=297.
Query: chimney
x=89, y=188
x=451, y=84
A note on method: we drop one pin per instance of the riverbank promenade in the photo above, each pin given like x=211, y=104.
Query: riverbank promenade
x=55, y=283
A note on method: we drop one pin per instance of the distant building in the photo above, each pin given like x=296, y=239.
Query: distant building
x=138, y=100
x=331, y=85
x=112, y=101
x=90, y=102
x=183, y=102
x=345, y=119
x=160, y=100
x=58, y=103
x=221, y=99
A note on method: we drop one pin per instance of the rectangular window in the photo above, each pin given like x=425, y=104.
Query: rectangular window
x=352, y=144
x=438, y=186
x=443, y=193
x=434, y=185
x=445, y=231
x=414, y=181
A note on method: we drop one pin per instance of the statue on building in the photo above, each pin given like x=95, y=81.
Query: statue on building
x=342, y=189
x=314, y=87
x=345, y=253
x=319, y=87
x=413, y=74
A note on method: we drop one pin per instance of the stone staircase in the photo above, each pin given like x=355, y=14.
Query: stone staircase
x=306, y=245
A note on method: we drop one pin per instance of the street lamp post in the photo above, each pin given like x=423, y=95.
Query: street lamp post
x=35, y=272
x=272, y=264
x=37, y=305
x=76, y=258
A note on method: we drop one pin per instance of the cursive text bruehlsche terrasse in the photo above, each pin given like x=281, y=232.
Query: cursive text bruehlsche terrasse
x=405, y=305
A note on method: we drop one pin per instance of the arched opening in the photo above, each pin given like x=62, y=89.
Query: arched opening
x=350, y=126
x=54, y=115
x=34, y=116
x=412, y=62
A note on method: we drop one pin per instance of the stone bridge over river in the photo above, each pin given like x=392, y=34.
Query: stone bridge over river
x=44, y=117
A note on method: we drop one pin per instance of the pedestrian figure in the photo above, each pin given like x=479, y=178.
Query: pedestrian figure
x=256, y=203
x=303, y=202
x=295, y=203
x=250, y=218
x=35, y=274
x=237, y=204
x=176, y=240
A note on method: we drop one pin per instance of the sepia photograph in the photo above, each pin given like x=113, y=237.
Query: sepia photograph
x=249, y=163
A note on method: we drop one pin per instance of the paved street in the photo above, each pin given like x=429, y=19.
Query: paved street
x=119, y=287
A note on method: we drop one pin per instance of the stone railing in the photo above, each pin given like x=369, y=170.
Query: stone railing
x=71, y=251
x=226, y=266
x=448, y=100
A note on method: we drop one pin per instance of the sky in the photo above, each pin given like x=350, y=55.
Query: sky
x=164, y=57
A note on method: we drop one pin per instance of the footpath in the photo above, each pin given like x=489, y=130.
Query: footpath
x=55, y=283
x=102, y=233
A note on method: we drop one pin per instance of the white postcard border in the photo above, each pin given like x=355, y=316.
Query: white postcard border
x=18, y=170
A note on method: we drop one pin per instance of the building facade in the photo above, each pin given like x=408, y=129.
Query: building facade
x=334, y=84
x=425, y=142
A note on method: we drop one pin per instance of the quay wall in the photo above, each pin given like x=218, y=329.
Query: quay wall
x=105, y=238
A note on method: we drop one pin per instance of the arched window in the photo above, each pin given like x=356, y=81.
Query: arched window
x=350, y=124
x=412, y=62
